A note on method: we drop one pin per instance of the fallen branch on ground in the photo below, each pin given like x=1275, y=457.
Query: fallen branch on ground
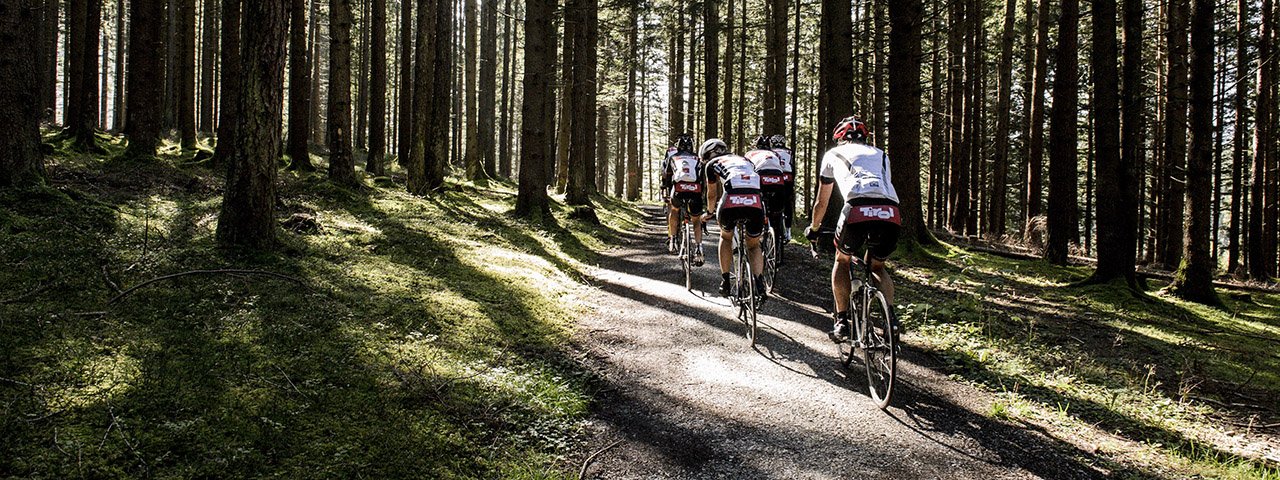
x=207, y=272
x=587, y=463
x=19, y=298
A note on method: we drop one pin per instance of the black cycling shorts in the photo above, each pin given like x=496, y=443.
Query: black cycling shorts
x=732, y=211
x=697, y=202
x=879, y=238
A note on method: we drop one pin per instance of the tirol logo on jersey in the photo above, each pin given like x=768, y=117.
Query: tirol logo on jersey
x=877, y=212
x=736, y=200
x=886, y=213
x=771, y=179
x=688, y=187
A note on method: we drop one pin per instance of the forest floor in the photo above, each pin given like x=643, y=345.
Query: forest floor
x=1007, y=373
x=439, y=337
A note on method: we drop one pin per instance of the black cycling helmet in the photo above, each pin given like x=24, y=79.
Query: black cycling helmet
x=684, y=143
x=762, y=142
x=713, y=148
x=778, y=141
x=850, y=129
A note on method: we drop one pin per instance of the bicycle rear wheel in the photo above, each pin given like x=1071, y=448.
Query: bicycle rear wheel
x=749, y=302
x=686, y=250
x=879, y=351
x=845, y=349
x=769, y=246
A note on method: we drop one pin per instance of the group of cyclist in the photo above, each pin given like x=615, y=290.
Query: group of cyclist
x=757, y=189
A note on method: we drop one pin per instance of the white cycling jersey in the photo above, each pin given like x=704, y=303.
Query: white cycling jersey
x=684, y=167
x=860, y=171
x=734, y=171
x=785, y=159
x=765, y=160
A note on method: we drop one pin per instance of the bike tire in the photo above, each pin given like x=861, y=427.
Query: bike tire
x=845, y=349
x=686, y=251
x=769, y=246
x=879, y=353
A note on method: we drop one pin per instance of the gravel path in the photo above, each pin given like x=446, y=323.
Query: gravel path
x=686, y=396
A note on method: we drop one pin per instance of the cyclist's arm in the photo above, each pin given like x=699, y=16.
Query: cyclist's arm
x=820, y=208
x=713, y=193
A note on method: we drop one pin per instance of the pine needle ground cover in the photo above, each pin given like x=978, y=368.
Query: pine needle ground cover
x=425, y=338
x=1152, y=387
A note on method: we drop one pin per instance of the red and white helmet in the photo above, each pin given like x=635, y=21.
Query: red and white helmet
x=850, y=129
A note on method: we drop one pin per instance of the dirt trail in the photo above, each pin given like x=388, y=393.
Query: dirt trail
x=687, y=397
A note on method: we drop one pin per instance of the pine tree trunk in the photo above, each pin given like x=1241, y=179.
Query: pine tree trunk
x=341, y=163
x=104, y=88
x=906, y=18
x=378, y=89
x=1239, y=154
x=508, y=79
x=995, y=218
x=21, y=163
x=360, y=133
x=186, y=70
x=146, y=81
x=774, y=102
x=117, y=117
x=1034, y=156
x=1170, y=232
x=711, y=62
x=85, y=18
x=442, y=96
x=404, y=141
x=208, y=49
x=877, y=117
x=231, y=79
x=726, y=120
x=48, y=80
x=486, y=103
x=583, y=96
x=1262, y=258
x=633, y=133
x=835, y=68
x=1194, y=279
x=1063, y=228
x=959, y=170
x=938, y=129
x=538, y=101
x=1117, y=201
x=675, y=110
x=421, y=154
x=602, y=149
x=564, y=119
x=475, y=170
x=247, y=219
x=300, y=99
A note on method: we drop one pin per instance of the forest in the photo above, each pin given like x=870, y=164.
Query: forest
x=348, y=146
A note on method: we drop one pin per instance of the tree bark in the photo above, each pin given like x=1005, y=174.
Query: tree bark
x=422, y=155
x=906, y=18
x=835, y=68
x=959, y=171
x=539, y=61
x=117, y=117
x=146, y=78
x=602, y=149
x=361, y=131
x=378, y=89
x=231, y=79
x=475, y=170
x=1117, y=200
x=726, y=120
x=774, y=102
x=247, y=219
x=186, y=71
x=564, y=121
x=1194, y=279
x=1034, y=155
x=994, y=225
x=1261, y=257
x=209, y=50
x=486, y=103
x=341, y=163
x=504, y=140
x=404, y=142
x=1063, y=228
x=633, y=140
x=21, y=163
x=85, y=18
x=583, y=95
x=298, y=147
x=1170, y=232
x=1239, y=154
x=711, y=63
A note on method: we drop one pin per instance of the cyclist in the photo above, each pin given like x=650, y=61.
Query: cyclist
x=786, y=158
x=741, y=200
x=683, y=181
x=869, y=218
x=772, y=182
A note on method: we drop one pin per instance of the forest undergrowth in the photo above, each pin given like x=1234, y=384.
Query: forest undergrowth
x=404, y=337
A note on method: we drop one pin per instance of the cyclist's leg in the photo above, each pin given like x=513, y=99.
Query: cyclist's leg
x=850, y=239
x=755, y=230
x=726, y=240
x=882, y=240
x=673, y=217
x=696, y=209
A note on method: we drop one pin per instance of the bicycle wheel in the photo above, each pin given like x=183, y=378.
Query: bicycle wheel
x=845, y=348
x=749, y=302
x=686, y=250
x=769, y=247
x=879, y=351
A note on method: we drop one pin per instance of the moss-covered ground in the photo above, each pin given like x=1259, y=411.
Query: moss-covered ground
x=1159, y=386
x=426, y=339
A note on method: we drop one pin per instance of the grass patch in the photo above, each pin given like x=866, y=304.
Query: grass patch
x=428, y=344
x=1158, y=386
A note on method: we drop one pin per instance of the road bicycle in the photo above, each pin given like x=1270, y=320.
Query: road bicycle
x=872, y=333
x=687, y=246
x=742, y=292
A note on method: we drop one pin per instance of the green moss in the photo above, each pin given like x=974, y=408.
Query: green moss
x=429, y=342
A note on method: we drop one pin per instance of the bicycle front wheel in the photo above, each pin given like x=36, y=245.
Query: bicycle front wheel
x=879, y=352
x=686, y=251
x=769, y=247
x=748, y=302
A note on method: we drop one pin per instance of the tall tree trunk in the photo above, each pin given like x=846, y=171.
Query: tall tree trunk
x=404, y=141
x=475, y=170
x=906, y=18
x=675, y=116
x=1170, y=233
x=726, y=120
x=85, y=18
x=186, y=70
x=1239, y=154
x=774, y=102
x=421, y=154
x=488, y=84
x=711, y=76
x=146, y=78
x=48, y=80
x=442, y=96
x=564, y=121
x=692, y=105
x=1062, y=219
x=1117, y=200
x=583, y=94
x=374, y=165
x=208, y=49
x=938, y=128
x=298, y=148
x=231, y=79
x=504, y=103
x=602, y=149
x=959, y=173
x=539, y=68
x=21, y=163
x=633, y=139
x=247, y=219
x=1194, y=278
x=104, y=87
x=835, y=68
x=877, y=117
x=360, y=133
x=117, y=117
x=1262, y=258
x=1034, y=155
x=995, y=218
x=341, y=163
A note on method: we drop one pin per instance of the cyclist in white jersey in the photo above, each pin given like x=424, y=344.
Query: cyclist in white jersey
x=870, y=216
x=683, y=183
x=786, y=158
x=773, y=184
x=741, y=200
